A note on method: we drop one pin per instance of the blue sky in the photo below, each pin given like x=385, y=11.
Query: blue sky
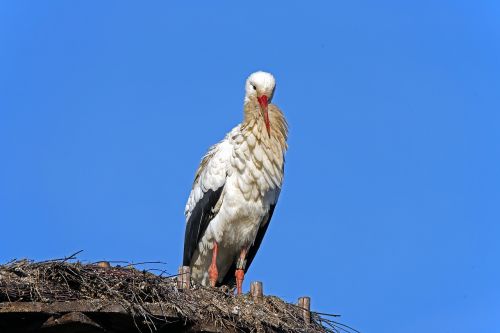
x=390, y=210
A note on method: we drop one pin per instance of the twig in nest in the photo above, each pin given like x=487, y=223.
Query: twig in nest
x=326, y=314
x=73, y=256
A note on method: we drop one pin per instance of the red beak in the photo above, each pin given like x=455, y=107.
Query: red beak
x=263, y=105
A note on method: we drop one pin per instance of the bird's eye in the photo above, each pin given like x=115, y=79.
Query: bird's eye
x=254, y=88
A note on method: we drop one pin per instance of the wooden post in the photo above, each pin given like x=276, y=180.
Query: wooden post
x=256, y=290
x=184, y=277
x=305, y=303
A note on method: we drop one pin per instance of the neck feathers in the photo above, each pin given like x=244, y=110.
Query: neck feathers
x=253, y=123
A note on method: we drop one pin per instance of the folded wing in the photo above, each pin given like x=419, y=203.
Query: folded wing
x=206, y=196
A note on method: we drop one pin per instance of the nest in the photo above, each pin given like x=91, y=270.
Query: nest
x=137, y=290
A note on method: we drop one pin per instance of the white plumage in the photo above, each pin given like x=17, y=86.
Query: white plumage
x=235, y=190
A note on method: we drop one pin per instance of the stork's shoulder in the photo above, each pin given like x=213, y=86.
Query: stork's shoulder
x=212, y=171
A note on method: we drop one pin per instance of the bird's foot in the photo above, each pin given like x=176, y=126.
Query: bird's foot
x=240, y=275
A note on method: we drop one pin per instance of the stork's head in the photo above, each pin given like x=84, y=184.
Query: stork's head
x=260, y=88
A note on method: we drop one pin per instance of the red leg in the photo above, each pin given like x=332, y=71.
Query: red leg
x=213, y=274
x=240, y=271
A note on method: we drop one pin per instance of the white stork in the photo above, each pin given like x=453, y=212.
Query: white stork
x=235, y=190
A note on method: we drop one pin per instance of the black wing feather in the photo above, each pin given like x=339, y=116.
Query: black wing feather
x=229, y=279
x=198, y=222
